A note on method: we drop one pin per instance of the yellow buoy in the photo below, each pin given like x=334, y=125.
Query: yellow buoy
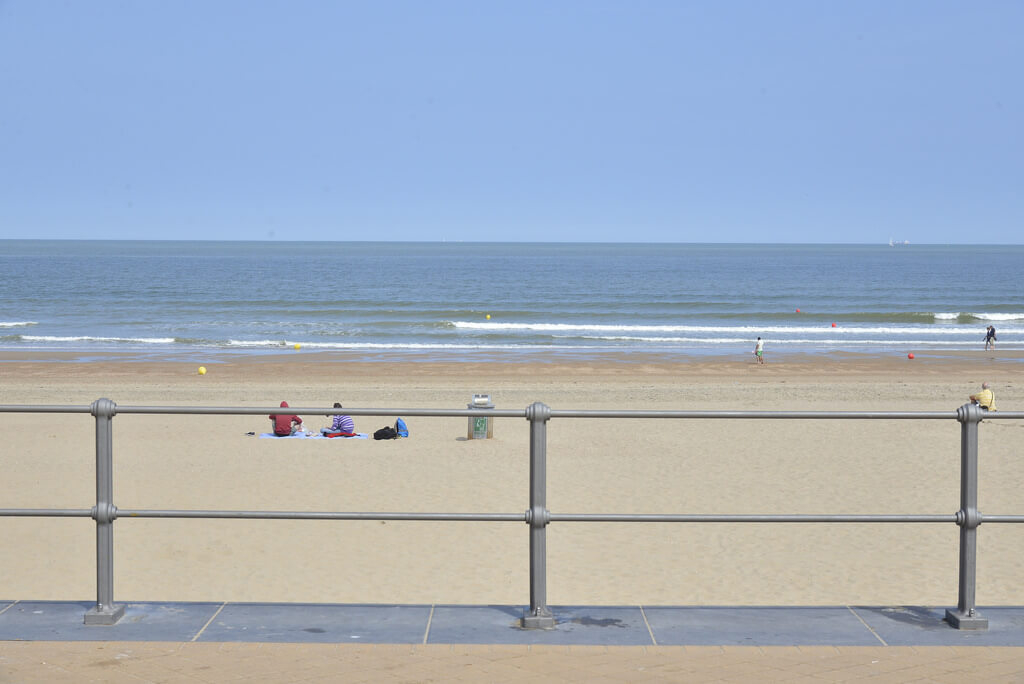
x=298, y=346
x=488, y=316
x=202, y=370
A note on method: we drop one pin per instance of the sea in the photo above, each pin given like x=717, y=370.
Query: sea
x=473, y=301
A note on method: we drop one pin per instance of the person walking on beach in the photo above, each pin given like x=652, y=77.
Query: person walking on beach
x=285, y=424
x=759, y=350
x=986, y=399
x=990, y=337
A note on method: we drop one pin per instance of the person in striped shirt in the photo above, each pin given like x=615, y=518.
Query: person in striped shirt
x=341, y=423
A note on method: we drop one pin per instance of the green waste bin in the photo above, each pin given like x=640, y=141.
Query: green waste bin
x=482, y=426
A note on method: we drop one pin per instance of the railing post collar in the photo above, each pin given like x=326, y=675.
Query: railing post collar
x=105, y=408
x=104, y=512
x=969, y=413
x=969, y=518
x=538, y=411
x=538, y=516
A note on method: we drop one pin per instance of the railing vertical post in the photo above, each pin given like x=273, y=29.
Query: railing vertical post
x=540, y=616
x=968, y=518
x=105, y=612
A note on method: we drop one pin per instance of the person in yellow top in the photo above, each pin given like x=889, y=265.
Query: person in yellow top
x=985, y=398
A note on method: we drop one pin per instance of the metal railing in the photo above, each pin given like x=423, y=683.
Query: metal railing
x=537, y=516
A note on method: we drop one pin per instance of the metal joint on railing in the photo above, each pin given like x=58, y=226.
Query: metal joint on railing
x=969, y=519
x=104, y=512
x=969, y=413
x=538, y=517
x=538, y=411
x=103, y=407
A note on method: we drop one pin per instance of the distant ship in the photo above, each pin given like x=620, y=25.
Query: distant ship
x=898, y=243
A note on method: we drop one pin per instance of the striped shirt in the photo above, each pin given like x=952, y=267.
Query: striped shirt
x=343, y=424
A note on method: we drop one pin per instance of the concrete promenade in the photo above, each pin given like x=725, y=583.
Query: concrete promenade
x=218, y=642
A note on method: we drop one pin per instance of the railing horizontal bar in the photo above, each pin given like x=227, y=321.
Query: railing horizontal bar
x=249, y=410
x=518, y=413
x=801, y=415
x=502, y=517
x=322, y=515
x=512, y=413
x=47, y=512
x=725, y=518
x=44, y=409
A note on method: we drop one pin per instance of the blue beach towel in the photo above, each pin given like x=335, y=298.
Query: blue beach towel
x=303, y=435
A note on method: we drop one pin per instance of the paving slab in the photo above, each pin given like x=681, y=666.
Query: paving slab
x=926, y=626
x=758, y=626
x=65, y=621
x=319, y=623
x=574, y=625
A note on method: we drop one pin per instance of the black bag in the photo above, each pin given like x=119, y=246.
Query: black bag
x=386, y=432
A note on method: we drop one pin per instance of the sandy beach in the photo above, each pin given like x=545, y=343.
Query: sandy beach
x=624, y=466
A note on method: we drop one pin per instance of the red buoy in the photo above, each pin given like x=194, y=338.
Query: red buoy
x=833, y=325
x=910, y=355
x=798, y=310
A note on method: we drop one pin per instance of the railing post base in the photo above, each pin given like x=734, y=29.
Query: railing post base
x=539, y=619
x=104, y=615
x=966, y=621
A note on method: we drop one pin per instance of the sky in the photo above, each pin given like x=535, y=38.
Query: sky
x=523, y=120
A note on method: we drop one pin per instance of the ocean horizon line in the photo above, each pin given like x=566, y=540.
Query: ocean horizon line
x=880, y=243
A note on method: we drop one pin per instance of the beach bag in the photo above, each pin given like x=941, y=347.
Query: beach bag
x=401, y=428
x=386, y=432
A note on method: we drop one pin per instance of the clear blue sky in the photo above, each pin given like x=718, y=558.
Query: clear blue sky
x=555, y=120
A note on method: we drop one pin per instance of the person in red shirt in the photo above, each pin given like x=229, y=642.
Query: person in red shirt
x=284, y=424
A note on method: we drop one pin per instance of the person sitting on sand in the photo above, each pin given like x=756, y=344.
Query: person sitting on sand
x=985, y=398
x=341, y=423
x=284, y=424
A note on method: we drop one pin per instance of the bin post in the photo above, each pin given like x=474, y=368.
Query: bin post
x=537, y=517
x=968, y=518
x=105, y=612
